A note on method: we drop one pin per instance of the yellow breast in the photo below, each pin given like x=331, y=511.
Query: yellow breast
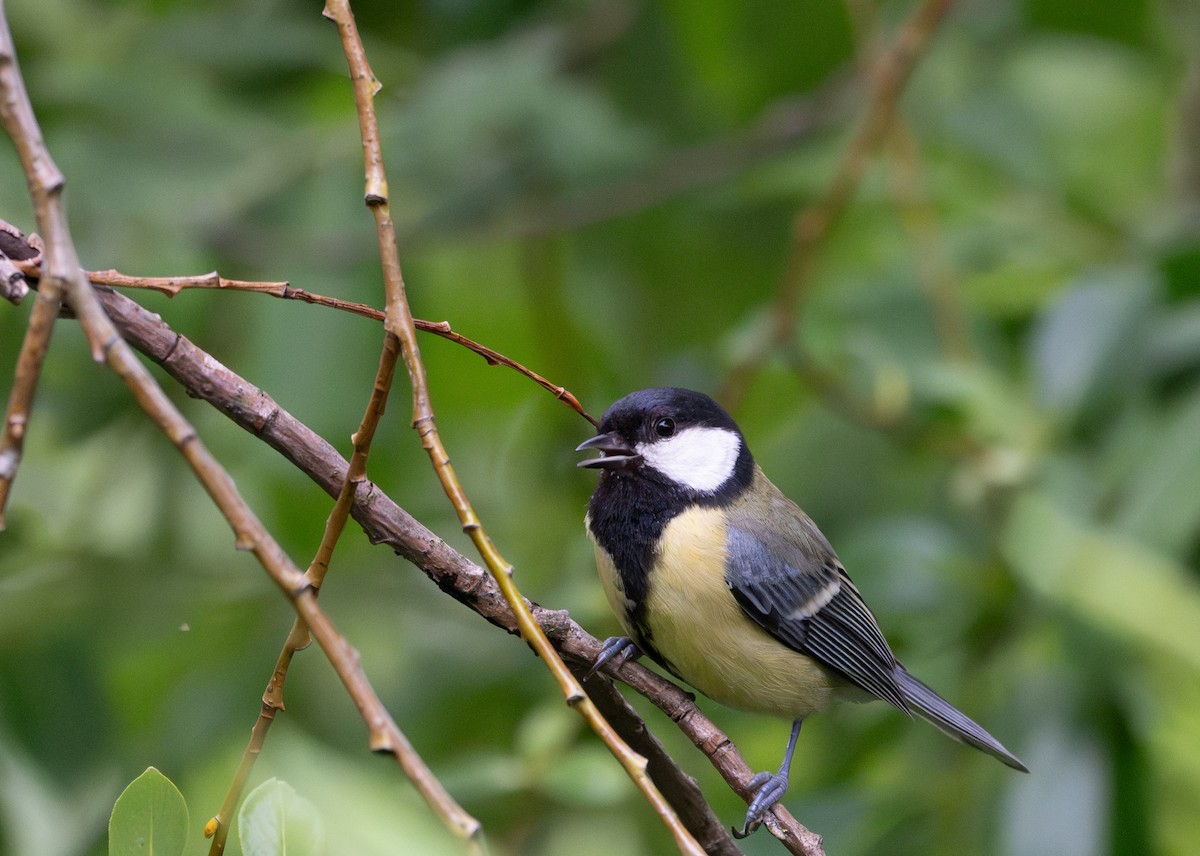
x=700, y=629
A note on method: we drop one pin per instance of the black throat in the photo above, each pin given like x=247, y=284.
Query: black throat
x=628, y=513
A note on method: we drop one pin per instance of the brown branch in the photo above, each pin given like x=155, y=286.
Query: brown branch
x=202, y=376
x=62, y=265
x=25, y=379
x=45, y=183
x=398, y=322
x=384, y=522
x=813, y=225
x=299, y=637
x=171, y=286
x=13, y=287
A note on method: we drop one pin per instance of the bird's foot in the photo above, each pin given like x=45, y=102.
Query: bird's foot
x=616, y=650
x=769, y=789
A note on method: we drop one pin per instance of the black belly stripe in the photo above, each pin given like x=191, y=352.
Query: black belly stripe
x=628, y=514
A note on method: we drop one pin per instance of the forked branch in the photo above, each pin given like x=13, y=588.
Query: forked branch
x=63, y=271
x=399, y=322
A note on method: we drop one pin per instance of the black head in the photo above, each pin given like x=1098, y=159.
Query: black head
x=674, y=437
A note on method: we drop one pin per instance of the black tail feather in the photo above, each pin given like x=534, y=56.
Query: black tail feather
x=924, y=701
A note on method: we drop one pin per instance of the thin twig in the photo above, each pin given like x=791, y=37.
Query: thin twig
x=299, y=636
x=45, y=182
x=171, y=286
x=813, y=224
x=62, y=264
x=399, y=323
x=384, y=522
x=25, y=379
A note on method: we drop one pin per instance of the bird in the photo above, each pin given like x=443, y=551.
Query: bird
x=728, y=585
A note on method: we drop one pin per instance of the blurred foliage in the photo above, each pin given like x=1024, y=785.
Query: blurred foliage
x=1026, y=523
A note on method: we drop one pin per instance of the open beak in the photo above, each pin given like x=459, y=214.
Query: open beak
x=615, y=453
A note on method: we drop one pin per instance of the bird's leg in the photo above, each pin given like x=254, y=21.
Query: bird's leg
x=768, y=789
x=616, y=650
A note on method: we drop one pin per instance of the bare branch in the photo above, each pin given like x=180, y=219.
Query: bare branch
x=398, y=322
x=204, y=377
x=45, y=183
x=173, y=285
x=62, y=264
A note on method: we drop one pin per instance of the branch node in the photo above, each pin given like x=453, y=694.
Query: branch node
x=382, y=746
x=16, y=427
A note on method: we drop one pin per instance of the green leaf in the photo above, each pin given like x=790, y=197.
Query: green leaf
x=150, y=818
x=275, y=820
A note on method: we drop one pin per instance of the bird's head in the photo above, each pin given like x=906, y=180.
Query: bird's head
x=671, y=435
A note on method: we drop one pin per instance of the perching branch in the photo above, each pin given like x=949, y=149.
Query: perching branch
x=398, y=322
x=202, y=376
x=300, y=636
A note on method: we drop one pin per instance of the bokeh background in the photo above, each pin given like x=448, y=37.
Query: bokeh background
x=605, y=190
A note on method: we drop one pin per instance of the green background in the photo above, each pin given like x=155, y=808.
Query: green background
x=1024, y=524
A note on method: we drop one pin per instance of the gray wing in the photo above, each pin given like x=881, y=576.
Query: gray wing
x=797, y=590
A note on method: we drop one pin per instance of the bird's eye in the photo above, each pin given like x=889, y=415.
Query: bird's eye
x=664, y=427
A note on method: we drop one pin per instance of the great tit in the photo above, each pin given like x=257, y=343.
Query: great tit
x=727, y=584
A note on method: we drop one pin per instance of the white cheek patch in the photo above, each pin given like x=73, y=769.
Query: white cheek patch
x=700, y=458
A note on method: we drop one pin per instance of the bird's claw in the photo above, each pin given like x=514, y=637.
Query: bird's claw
x=769, y=789
x=616, y=650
